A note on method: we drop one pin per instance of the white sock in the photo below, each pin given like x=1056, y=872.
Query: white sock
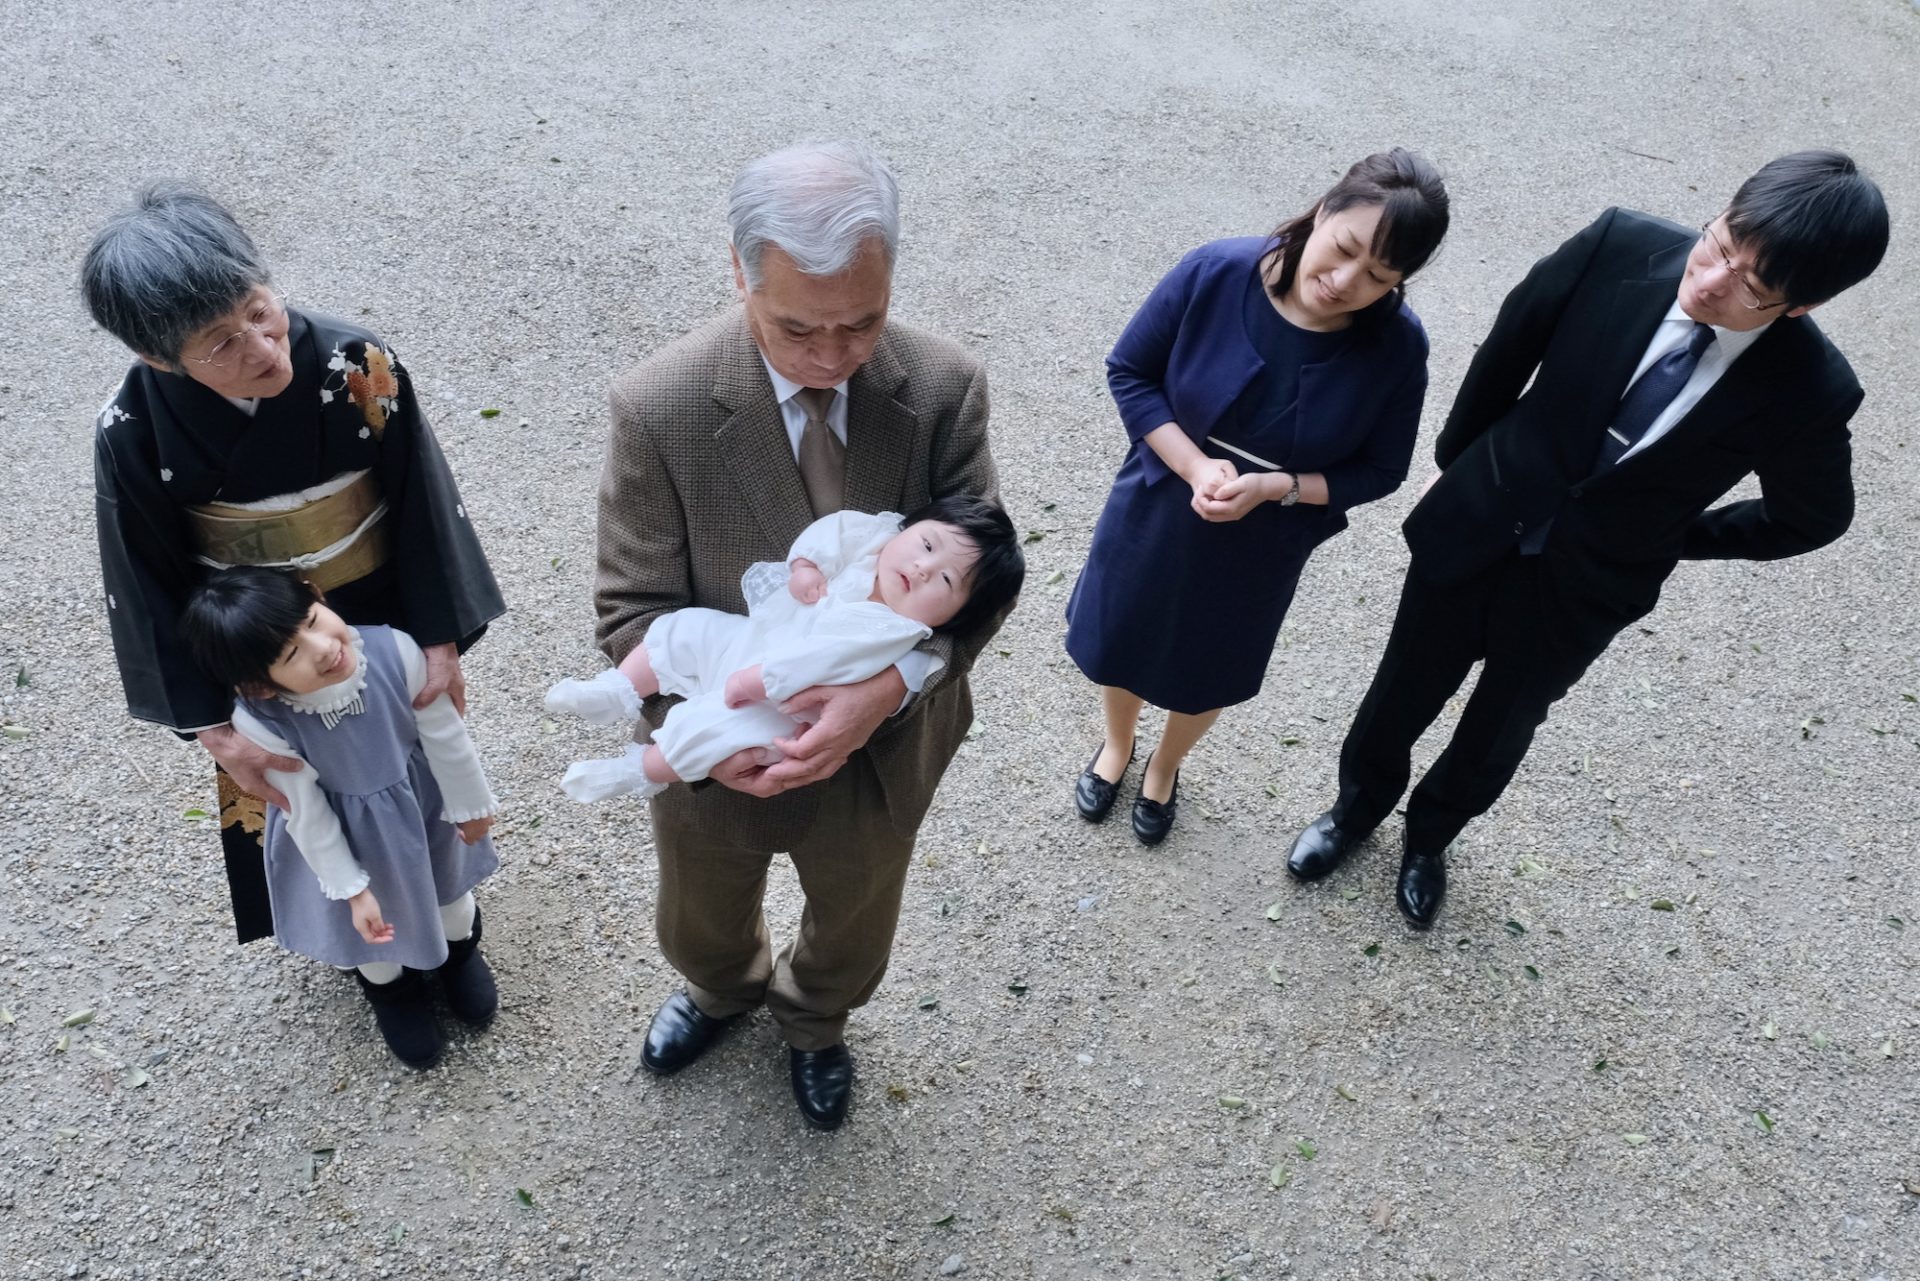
x=379, y=973
x=456, y=918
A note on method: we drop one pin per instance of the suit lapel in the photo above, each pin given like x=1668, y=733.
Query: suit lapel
x=882, y=434
x=754, y=440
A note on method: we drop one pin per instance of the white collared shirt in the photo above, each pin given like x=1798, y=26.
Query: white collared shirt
x=794, y=415
x=1727, y=346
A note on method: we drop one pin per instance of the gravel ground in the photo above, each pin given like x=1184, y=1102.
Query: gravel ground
x=1089, y=1059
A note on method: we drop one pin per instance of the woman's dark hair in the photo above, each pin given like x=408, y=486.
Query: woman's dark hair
x=1815, y=224
x=1413, y=216
x=1000, y=568
x=163, y=270
x=238, y=622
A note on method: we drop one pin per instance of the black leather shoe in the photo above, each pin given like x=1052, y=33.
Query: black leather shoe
x=1093, y=796
x=1422, y=888
x=1152, y=820
x=403, y=1009
x=466, y=980
x=1323, y=846
x=679, y=1034
x=823, y=1085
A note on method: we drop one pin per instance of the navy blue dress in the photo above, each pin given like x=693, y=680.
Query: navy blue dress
x=1185, y=612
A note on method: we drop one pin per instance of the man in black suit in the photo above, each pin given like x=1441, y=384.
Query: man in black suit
x=1666, y=364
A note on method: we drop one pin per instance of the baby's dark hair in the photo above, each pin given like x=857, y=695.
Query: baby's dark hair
x=238, y=622
x=1000, y=568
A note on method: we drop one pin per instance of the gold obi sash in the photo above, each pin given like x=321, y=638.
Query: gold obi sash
x=330, y=541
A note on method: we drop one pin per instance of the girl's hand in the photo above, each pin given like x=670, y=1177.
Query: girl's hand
x=806, y=584
x=1241, y=495
x=367, y=919
x=745, y=686
x=474, y=828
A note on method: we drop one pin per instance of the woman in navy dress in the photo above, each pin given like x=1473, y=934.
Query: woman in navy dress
x=1267, y=385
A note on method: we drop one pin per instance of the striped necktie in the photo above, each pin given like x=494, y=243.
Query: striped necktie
x=1650, y=395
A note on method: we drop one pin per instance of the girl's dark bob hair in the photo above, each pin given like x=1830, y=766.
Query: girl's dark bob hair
x=238, y=622
x=995, y=578
x=1413, y=218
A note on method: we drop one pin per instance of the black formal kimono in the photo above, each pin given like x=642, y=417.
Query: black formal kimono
x=1518, y=453
x=165, y=442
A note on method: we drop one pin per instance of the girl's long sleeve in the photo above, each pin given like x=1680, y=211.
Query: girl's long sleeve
x=449, y=749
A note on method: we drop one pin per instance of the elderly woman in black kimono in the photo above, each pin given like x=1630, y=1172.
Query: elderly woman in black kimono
x=251, y=433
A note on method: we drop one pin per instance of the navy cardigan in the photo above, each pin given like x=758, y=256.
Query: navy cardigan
x=1185, y=357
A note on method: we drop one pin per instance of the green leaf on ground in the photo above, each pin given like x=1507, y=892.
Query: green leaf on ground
x=1634, y=1140
x=1516, y=929
x=1532, y=973
x=61, y=1044
x=1306, y=1150
x=1273, y=791
x=1661, y=905
x=20, y=679
x=1232, y=1102
x=1886, y=1048
x=1350, y=893
x=1346, y=1092
x=1529, y=868
x=1766, y=1122
x=1599, y=1065
x=1821, y=1041
x=1275, y=911
x=524, y=1197
x=6, y=1015
x=1018, y=987
x=1897, y=925
x=1057, y=577
x=79, y=1018
x=135, y=1077
x=194, y=815
x=1289, y=740
x=1034, y=536
x=1371, y=949
x=16, y=732
x=489, y=413
x=1279, y=1176
x=928, y=1002
x=1769, y=1030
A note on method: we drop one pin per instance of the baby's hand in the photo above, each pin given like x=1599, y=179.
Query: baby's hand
x=367, y=919
x=745, y=686
x=474, y=828
x=806, y=583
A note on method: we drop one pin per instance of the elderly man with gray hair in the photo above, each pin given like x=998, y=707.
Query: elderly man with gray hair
x=801, y=401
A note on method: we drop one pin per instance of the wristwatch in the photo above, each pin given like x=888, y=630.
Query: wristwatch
x=1292, y=495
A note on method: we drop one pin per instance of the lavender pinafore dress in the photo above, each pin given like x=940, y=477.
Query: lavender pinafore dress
x=374, y=772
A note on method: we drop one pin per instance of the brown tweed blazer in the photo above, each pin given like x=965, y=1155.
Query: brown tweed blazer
x=700, y=482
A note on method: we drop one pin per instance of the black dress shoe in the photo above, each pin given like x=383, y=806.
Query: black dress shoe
x=679, y=1034
x=466, y=980
x=403, y=1010
x=823, y=1085
x=1152, y=820
x=1093, y=796
x=1422, y=888
x=1323, y=846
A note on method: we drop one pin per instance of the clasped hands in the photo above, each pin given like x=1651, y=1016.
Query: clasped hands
x=1221, y=493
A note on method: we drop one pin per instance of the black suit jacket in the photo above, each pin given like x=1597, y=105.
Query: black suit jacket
x=1515, y=454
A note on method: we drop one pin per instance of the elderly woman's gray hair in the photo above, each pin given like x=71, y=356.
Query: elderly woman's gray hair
x=819, y=202
x=166, y=268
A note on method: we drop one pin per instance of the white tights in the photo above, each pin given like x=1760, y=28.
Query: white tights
x=456, y=918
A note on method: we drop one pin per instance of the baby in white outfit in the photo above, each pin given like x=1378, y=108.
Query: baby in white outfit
x=857, y=592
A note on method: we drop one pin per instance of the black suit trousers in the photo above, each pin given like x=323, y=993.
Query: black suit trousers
x=1501, y=616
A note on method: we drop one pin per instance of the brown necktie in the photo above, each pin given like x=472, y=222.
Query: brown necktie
x=823, y=459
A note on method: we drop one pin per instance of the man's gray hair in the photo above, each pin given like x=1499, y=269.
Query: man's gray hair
x=166, y=268
x=819, y=202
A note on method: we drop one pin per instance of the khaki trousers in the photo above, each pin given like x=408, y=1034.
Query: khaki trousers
x=852, y=866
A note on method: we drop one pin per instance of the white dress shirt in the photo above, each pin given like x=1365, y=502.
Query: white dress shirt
x=1726, y=347
x=917, y=665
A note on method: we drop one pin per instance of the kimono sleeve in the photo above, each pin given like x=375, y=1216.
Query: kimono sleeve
x=447, y=589
x=148, y=573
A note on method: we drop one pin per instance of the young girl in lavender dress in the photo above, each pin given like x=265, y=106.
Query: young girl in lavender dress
x=372, y=865
x=857, y=592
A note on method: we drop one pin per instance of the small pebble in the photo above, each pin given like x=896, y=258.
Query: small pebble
x=955, y=1264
